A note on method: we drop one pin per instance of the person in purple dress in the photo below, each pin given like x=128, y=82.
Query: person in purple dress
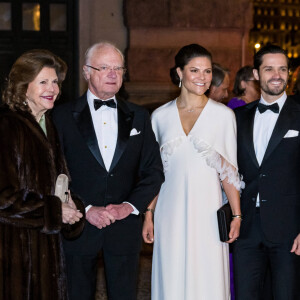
x=246, y=88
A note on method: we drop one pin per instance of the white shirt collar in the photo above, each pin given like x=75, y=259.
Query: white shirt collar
x=280, y=101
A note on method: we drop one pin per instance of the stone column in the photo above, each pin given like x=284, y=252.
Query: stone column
x=100, y=20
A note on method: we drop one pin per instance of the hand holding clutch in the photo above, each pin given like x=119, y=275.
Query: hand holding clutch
x=61, y=188
x=224, y=215
x=227, y=224
x=70, y=214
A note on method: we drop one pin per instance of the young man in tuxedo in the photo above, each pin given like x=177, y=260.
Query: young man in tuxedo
x=115, y=166
x=269, y=161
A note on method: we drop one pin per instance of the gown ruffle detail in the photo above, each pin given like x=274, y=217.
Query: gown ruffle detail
x=219, y=163
x=167, y=150
x=211, y=156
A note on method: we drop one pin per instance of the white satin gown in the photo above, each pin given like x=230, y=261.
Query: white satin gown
x=189, y=261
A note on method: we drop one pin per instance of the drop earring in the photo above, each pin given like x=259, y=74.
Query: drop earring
x=179, y=85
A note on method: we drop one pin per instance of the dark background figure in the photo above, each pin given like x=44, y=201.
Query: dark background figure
x=294, y=84
x=296, y=87
x=246, y=88
x=31, y=217
x=218, y=89
x=116, y=168
x=269, y=160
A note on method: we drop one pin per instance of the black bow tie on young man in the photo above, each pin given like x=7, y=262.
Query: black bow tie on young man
x=110, y=103
x=274, y=108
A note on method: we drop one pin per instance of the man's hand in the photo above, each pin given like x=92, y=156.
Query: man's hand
x=296, y=245
x=99, y=217
x=119, y=211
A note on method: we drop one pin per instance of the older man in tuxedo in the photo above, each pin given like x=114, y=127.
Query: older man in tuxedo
x=269, y=160
x=115, y=166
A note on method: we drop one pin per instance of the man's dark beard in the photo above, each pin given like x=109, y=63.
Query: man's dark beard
x=274, y=92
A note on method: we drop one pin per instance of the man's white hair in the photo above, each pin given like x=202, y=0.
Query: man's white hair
x=90, y=51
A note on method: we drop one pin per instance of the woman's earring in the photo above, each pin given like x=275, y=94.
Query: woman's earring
x=179, y=85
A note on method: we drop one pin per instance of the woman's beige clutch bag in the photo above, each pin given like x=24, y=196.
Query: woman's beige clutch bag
x=62, y=187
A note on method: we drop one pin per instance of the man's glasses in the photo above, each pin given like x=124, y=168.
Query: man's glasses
x=106, y=69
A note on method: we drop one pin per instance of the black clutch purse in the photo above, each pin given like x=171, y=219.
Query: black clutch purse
x=224, y=215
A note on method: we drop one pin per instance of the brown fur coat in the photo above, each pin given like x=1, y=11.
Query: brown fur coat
x=31, y=254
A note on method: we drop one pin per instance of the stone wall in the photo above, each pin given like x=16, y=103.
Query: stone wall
x=158, y=29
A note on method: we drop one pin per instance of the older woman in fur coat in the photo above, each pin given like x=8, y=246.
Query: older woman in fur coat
x=31, y=217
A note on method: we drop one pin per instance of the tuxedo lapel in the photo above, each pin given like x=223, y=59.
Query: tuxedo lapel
x=82, y=115
x=282, y=125
x=247, y=137
x=125, y=117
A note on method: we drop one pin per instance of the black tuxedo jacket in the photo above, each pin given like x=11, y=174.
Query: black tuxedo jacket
x=277, y=179
x=135, y=175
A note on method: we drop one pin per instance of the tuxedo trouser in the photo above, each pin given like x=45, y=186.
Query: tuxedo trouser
x=252, y=256
x=120, y=271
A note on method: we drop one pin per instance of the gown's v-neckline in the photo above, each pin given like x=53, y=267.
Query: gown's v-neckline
x=197, y=120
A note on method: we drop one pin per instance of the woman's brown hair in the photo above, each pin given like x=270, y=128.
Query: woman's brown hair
x=25, y=70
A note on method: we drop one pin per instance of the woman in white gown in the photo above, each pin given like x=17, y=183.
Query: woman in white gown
x=197, y=138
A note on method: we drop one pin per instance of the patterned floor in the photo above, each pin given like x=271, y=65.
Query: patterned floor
x=144, y=283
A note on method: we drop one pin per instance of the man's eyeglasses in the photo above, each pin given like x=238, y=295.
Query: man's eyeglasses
x=106, y=69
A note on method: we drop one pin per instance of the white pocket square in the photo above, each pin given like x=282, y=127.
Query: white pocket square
x=291, y=133
x=134, y=132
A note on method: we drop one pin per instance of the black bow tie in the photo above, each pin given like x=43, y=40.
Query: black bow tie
x=274, y=108
x=110, y=103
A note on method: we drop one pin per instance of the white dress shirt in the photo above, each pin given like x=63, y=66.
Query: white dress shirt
x=105, y=121
x=263, y=127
